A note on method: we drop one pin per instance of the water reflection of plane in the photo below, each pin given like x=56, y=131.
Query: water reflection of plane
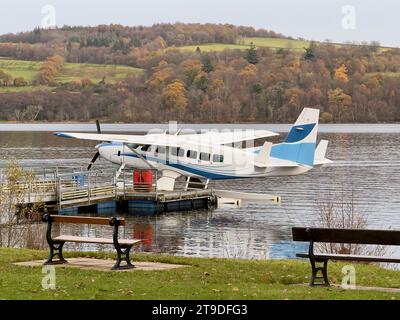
x=210, y=234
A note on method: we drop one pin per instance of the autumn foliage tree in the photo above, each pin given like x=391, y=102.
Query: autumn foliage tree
x=49, y=69
x=174, y=98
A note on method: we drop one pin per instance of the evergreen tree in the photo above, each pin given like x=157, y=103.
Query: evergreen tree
x=251, y=54
x=309, y=53
x=207, y=64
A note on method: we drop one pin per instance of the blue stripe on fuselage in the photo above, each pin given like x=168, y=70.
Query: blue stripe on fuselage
x=206, y=174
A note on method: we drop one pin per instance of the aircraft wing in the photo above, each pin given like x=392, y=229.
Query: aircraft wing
x=151, y=139
x=217, y=137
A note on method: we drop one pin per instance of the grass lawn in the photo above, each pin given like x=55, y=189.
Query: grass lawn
x=201, y=279
x=70, y=71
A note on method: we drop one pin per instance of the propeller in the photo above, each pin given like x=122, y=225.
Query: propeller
x=97, y=155
x=98, y=126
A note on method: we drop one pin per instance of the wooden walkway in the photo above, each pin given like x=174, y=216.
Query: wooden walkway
x=85, y=188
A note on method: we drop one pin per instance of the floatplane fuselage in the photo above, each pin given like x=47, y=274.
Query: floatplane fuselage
x=213, y=155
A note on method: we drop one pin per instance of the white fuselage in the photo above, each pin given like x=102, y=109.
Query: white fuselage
x=211, y=162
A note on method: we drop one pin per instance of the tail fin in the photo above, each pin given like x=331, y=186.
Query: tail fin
x=299, y=145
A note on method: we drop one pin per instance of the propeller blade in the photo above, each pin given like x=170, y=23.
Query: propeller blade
x=98, y=126
x=96, y=156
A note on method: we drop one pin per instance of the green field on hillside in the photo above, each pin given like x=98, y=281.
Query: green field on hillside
x=70, y=71
x=25, y=89
x=213, y=47
x=276, y=43
x=95, y=72
x=273, y=43
x=244, y=43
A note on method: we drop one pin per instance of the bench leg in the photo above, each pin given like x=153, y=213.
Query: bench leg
x=314, y=273
x=56, y=250
x=123, y=255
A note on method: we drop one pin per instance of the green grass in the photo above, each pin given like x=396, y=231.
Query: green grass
x=18, y=68
x=95, y=72
x=273, y=43
x=276, y=43
x=25, y=89
x=199, y=279
x=244, y=43
x=70, y=71
x=384, y=74
x=213, y=47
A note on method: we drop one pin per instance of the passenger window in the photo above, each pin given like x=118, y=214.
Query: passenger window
x=218, y=158
x=191, y=154
x=181, y=152
x=174, y=151
x=159, y=150
x=205, y=156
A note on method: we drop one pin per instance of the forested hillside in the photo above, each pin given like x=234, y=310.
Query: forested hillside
x=192, y=73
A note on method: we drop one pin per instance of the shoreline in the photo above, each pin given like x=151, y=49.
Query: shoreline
x=141, y=127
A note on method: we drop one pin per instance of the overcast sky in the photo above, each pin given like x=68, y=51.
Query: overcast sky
x=336, y=20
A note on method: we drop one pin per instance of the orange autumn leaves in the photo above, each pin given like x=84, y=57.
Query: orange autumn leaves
x=49, y=69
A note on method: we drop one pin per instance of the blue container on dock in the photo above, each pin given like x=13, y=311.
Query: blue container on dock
x=80, y=180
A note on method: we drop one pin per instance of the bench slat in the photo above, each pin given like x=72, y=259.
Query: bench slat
x=357, y=236
x=84, y=220
x=67, y=238
x=346, y=257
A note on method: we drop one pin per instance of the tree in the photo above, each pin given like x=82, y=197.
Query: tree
x=191, y=68
x=20, y=82
x=207, y=64
x=174, y=96
x=341, y=74
x=339, y=103
x=6, y=79
x=309, y=53
x=251, y=54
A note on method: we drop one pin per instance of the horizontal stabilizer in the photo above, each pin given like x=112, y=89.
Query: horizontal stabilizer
x=320, y=153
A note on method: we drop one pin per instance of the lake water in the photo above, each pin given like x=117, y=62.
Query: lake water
x=366, y=169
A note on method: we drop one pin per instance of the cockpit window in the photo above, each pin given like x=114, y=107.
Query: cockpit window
x=146, y=148
x=132, y=146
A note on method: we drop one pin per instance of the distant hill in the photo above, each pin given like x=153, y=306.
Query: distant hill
x=192, y=73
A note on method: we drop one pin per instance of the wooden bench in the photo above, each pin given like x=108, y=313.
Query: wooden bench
x=122, y=246
x=349, y=236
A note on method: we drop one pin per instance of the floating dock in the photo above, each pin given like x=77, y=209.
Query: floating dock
x=71, y=190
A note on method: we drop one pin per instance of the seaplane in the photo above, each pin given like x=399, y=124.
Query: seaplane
x=211, y=155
